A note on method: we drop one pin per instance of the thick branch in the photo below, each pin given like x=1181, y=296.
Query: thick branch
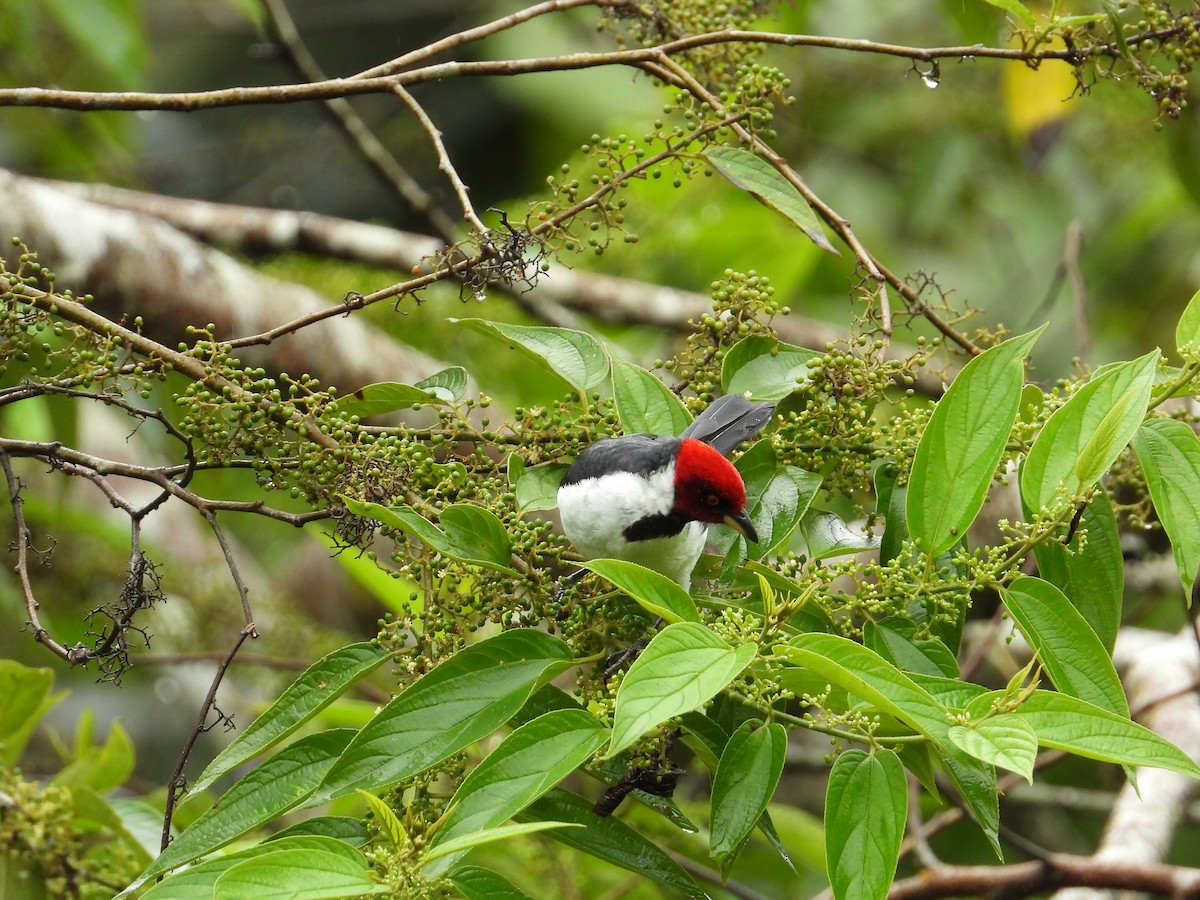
x=1038, y=877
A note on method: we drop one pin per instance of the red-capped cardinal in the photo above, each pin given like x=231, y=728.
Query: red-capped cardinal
x=649, y=498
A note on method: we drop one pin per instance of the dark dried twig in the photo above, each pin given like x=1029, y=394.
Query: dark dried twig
x=176, y=785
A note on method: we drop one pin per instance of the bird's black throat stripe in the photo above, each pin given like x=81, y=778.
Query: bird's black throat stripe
x=660, y=525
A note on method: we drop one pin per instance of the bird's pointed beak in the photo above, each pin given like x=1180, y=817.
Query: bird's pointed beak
x=742, y=525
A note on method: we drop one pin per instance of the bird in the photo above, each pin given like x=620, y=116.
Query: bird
x=649, y=498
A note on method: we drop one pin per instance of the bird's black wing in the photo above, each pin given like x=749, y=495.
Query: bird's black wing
x=643, y=453
x=728, y=421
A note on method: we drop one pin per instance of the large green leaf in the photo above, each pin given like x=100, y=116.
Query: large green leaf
x=866, y=805
x=197, y=882
x=529, y=762
x=764, y=183
x=609, y=839
x=745, y=780
x=653, y=591
x=683, y=666
x=1091, y=571
x=870, y=677
x=895, y=639
x=765, y=368
x=468, y=534
x=323, y=682
x=1068, y=649
x=464, y=699
x=277, y=785
x=1067, y=723
x=1169, y=453
x=573, y=356
x=1084, y=437
x=536, y=487
x=644, y=403
x=297, y=875
x=962, y=444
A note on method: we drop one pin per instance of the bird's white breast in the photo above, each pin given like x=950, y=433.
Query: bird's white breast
x=596, y=511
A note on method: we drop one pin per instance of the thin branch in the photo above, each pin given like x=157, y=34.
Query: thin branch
x=231, y=562
x=461, y=191
x=176, y=785
x=22, y=543
x=193, y=101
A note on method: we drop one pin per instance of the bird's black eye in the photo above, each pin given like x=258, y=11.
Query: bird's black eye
x=712, y=499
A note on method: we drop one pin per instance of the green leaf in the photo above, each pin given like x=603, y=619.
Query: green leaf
x=131, y=820
x=609, y=839
x=866, y=805
x=827, y=535
x=449, y=385
x=1084, y=437
x=342, y=828
x=464, y=699
x=1169, y=454
x=644, y=403
x=867, y=675
x=537, y=487
x=476, y=883
x=975, y=782
x=1187, y=332
x=895, y=640
x=653, y=591
x=1067, y=647
x=468, y=534
x=102, y=768
x=764, y=183
x=891, y=501
x=745, y=780
x=277, y=785
x=24, y=699
x=1067, y=723
x=1092, y=571
x=573, y=356
x=765, y=368
x=1005, y=740
x=777, y=496
x=297, y=875
x=1016, y=8
x=387, y=820
x=385, y=397
x=323, y=682
x=528, y=763
x=683, y=666
x=461, y=844
x=197, y=882
x=962, y=444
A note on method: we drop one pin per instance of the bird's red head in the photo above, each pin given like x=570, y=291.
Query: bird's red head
x=707, y=486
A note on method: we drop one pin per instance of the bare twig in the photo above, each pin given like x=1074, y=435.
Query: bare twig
x=193, y=101
x=461, y=191
x=176, y=785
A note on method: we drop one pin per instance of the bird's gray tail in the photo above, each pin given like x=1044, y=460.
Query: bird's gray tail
x=728, y=421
